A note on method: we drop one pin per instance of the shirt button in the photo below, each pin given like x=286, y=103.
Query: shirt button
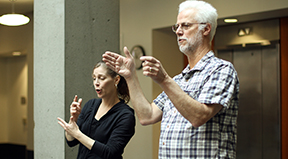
x=168, y=126
x=163, y=143
x=174, y=111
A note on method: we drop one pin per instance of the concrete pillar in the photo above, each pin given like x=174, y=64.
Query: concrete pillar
x=69, y=38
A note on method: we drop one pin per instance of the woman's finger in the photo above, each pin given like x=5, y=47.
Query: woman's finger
x=80, y=102
x=62, y=123
x=75, y=98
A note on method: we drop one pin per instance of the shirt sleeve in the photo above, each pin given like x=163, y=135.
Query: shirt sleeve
x=220, y=86
x=160, y=100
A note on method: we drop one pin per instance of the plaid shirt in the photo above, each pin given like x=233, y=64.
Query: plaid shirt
x=211, y=81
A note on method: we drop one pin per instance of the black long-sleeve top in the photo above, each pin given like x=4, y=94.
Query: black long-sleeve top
x=111, y=133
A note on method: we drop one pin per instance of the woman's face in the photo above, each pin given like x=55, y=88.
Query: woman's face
x=103, y=83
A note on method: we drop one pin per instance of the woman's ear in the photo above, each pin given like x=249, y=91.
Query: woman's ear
x=117, y=79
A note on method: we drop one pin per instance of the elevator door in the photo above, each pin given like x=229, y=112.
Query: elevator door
x=259, y=106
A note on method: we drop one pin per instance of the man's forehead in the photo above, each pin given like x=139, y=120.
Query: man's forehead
x=186, y=15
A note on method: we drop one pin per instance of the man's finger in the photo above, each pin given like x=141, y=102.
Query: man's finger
x=127, y=53
x=110, y=56
x=148, y=59
x=111, y=65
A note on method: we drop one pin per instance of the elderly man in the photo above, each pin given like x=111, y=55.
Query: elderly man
x=198, y=108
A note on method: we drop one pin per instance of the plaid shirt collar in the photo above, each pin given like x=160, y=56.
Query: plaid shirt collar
x=199, y=66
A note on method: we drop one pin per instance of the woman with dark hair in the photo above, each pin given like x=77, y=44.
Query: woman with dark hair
x=104, y=126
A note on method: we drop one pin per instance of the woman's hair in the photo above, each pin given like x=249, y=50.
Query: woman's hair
x=205, y=13
x=122, y=87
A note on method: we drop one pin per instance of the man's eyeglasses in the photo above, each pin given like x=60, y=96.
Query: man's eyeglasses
x=183, y=26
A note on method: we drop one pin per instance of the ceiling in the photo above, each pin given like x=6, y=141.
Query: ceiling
x=257, y=16
x=26, y=6
x=20, y=6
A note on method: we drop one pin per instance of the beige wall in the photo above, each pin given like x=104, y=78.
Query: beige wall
x=17, y=89
x=3, y=101
x=12, y=112
x=14, y=85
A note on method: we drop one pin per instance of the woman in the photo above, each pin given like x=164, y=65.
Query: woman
x=104, y=126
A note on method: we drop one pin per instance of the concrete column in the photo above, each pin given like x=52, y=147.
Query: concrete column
x=69, y=38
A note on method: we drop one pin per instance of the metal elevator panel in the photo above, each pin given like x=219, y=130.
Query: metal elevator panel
x=271, y=102
x=259, y=105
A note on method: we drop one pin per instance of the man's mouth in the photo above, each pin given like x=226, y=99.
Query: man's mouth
x=180, y=40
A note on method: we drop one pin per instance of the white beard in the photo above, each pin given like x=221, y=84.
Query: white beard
x=191, y=44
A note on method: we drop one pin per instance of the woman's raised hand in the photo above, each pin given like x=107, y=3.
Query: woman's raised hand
x=75, y=108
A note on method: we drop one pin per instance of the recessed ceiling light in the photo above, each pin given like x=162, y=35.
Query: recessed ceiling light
x=16, y=53
x=230, y=20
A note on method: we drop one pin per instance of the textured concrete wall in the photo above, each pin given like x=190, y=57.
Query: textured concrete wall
x=69, y=38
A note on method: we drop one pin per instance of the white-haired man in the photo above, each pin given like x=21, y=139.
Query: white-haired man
x=198, y=108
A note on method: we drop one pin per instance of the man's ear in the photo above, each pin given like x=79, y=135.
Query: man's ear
x=207, y=29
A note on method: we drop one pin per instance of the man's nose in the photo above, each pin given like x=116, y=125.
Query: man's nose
x=179, y=30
